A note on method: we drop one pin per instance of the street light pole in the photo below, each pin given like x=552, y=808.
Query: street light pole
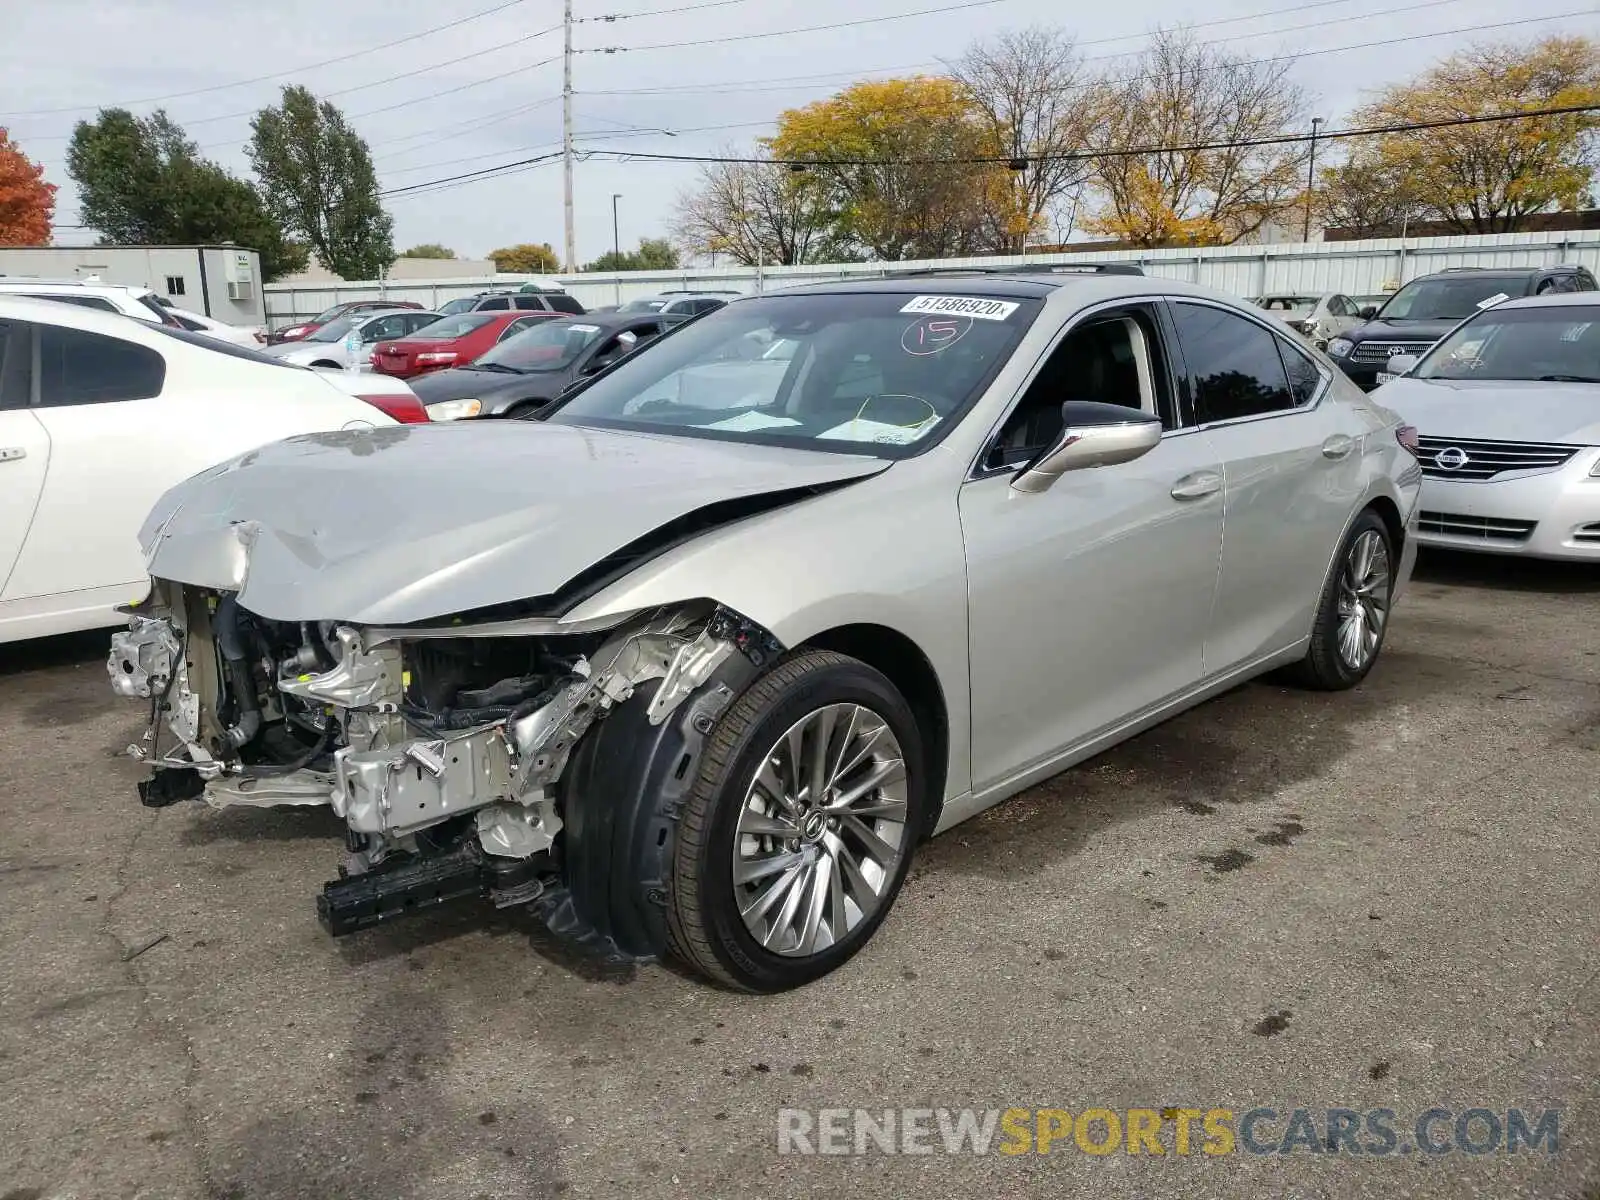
x=1311, y=179
x=616, y=246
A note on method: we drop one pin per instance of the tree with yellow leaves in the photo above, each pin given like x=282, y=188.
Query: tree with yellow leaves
x=897, y=166
x=1486, y=177
x=1159, y=187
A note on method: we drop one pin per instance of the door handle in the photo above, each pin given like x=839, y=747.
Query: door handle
x=12, y=453
x=1338, y=446
x=1197, y=485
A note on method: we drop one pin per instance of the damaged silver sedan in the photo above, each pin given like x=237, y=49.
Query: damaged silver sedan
x=692, y=660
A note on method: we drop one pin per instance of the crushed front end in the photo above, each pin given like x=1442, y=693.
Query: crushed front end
x=462, y=758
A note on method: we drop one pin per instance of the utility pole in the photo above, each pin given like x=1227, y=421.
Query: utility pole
x=1311, y=179
x=616, y=241
x=566, y=138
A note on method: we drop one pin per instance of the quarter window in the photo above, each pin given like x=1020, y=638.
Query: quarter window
x=1234, y=367
x=77, y=367
x=1304, y=375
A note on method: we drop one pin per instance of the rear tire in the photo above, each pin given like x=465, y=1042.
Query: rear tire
x=799, y=831
x=1353, y=612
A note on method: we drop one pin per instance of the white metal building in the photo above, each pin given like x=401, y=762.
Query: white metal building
x=216, y=281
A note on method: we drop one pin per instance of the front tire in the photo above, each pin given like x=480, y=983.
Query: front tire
x=799, y=830
x=1353, y=612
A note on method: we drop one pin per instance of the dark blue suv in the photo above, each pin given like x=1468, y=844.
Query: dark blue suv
x=1429, y=307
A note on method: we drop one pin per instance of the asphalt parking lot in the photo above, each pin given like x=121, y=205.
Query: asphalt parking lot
x=1383, y=899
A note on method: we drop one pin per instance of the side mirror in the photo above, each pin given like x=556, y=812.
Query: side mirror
x=1400, y=364
x=1092, y=435
x=1368, y=311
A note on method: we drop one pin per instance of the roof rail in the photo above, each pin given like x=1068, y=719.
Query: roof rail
x=1027, y=269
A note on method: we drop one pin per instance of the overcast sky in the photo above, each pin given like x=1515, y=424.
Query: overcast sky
x=77, y=55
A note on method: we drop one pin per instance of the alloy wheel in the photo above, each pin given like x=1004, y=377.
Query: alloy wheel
x=821, y=831
x=1363, y=599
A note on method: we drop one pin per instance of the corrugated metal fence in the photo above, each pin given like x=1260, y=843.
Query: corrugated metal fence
x=1359, y=268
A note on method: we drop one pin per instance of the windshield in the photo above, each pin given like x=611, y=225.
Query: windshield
x=328, y=314
x=334, y=331
x=452, y=327
x=1288, y=303
x=1554, y=343
x=547, y=346
x=647, y=304
x=1442, y=298
x=877, y=373
x=460, y=305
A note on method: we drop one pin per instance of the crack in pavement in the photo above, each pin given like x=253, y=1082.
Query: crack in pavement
x=147, y=1016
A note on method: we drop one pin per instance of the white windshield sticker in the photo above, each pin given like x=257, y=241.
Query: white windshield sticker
x=584, y=328
x=964, y=306
x=751, y=422
x=860, y=430
x=1493, y=300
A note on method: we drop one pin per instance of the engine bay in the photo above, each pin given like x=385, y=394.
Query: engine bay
x=444, y=749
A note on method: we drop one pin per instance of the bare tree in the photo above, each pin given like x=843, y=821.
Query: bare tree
x=1182, y=95
x=1366, y=195
x=753, y=212
x=1035, y=102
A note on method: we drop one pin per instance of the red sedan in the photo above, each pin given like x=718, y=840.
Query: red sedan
x=451, y=342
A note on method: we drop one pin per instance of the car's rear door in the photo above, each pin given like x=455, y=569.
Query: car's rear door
x=24, y=450
x=1291, y=462
x=98, y=401
x=1089, y=601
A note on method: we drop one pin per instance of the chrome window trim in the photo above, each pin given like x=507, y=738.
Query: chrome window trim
x=1324, y=386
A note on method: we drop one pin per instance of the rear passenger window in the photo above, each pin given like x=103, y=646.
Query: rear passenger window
x=497, y=303
x=1304, y=375
x=565, y=304
x=1234, y=368
x=77, y=367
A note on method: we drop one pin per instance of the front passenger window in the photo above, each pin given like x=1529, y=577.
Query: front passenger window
x=1111, y=360
x=1233, y=363
x=77, y=367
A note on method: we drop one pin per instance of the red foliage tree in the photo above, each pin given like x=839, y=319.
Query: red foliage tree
x=27, y=202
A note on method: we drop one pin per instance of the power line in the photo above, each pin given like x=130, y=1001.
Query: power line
x=250, y=112
x=750, y=37
x=327, y=62
x=995, y=160
x=1278, y=58
x=1282, y=139
x=659, y=12
x=778, y=83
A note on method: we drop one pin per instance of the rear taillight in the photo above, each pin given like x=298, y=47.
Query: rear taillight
x=1406, y=435
x=407, y=410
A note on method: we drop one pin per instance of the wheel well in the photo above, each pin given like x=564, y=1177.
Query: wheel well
x=905, y=665
x=1390, y=516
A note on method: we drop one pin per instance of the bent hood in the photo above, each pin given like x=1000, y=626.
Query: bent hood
x=409, y=523
x=1505, y=410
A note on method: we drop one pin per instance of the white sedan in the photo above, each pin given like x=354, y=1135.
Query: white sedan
x=249, y=336
x=346, y=344
x=100, y=415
